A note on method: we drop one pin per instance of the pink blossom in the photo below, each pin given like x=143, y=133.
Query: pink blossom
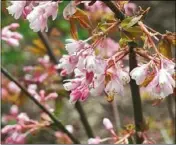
x=130, y=9
x=168, y=65
x=4, y=93
x=69, y=10
x=12, y=38
x=67, y=63
x=13, y=87
x=114, y=87
x=32, y=89
x=44, y=60
x=16, y=9
x=16, y=138
x=108, y=47
x=123, y=75
x=72, y=84
x=98, y=84
x=23, y=118
x=97, y=6
x=140, y=73
x=39, y=15
x=80, y=93
x=94, y=64
x=12, y=115
x=50, y=96
x=74, y=46
x=8, y=128
x=162, y=84
x=14, y=110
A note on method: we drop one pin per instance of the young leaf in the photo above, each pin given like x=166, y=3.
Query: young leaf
x=83, y=18
x=134, y=21
x=130, y=21
x=73, y=29
x=165, y=48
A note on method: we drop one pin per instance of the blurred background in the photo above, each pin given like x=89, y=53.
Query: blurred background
x=161, y=17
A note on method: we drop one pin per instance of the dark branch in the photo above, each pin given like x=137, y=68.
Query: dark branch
x=54, y=119
x=84, y=120
x=117, y=12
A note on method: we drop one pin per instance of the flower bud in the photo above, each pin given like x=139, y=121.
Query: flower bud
x=14, y=25
x=69, y=128
x=13, y=87
x=94, y=140
x=14, y=110
x=107, y=123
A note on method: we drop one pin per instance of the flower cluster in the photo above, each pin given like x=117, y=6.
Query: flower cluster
x=41, y=96
x=39, y=73
x=12, y=38
x=8, y=90
x=37, y=12
x=161, y=83
x=17, y=133
x=90, y=71
x=94, y=74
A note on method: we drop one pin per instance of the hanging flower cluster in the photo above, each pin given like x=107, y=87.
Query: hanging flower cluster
x=12, y=38
x=36, y=12
x=17, y=133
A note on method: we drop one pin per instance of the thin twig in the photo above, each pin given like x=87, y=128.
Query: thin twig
x=54, y=119
x=116, y=115
x=78, y=106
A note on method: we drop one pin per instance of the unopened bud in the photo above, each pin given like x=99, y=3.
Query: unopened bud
x=107, y=123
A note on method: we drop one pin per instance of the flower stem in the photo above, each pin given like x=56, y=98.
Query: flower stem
x=54, y=119
x=78, y=106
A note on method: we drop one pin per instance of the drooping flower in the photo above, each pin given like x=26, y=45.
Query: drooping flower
x=122, y=74
x=17, y=8
x=114, y=87
x=80, y=93
x=139, y=74
x=13, y=87
x=108, y=47
x=67, y=64
x=168, y=65
x=94, y=64
x=39, y=15
x=162, y=85
x=97, y=6
x=130, y=9
x=98, y=84
x=69, y=10
x=73, y=46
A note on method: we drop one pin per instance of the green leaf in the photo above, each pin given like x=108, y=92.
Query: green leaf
x=125, y=22
x=130, y=21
